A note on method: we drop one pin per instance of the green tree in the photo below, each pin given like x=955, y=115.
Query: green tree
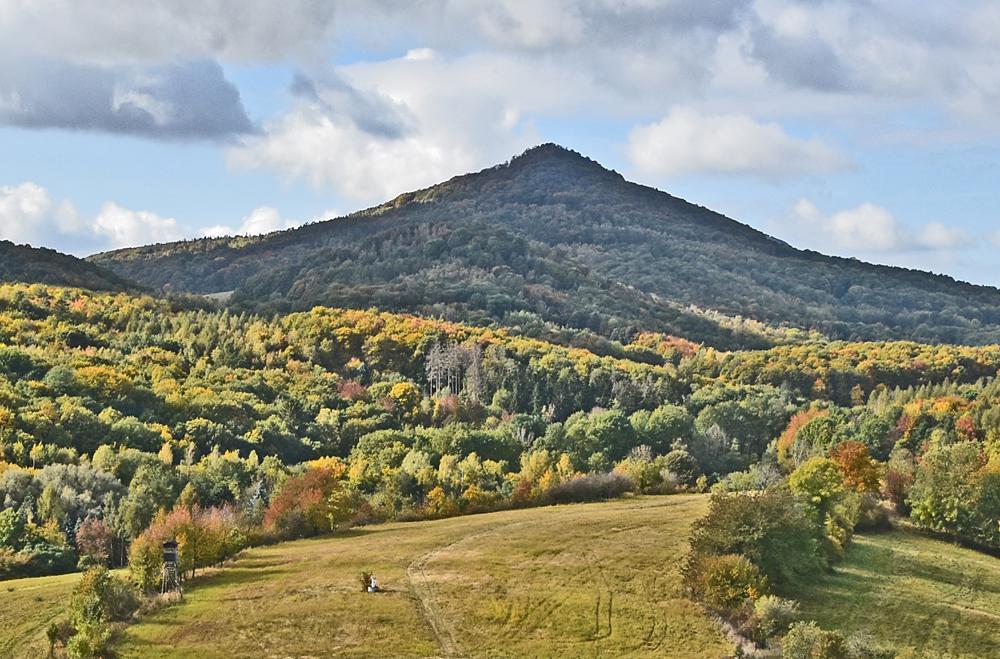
x=819, y=482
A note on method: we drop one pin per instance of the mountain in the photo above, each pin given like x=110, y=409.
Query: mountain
x=553, y=236
x=23, y=263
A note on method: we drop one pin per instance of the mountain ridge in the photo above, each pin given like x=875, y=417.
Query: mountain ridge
x=579, y=232
x=27, y=264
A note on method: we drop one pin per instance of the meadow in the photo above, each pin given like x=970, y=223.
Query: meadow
x=912, y=593
x=583, y=580
x=27, y=607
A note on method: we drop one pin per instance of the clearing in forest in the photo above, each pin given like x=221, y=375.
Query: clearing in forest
x=581, y=580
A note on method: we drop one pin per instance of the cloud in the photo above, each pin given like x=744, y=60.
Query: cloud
x=867, y=228
x=686, y=142
x=157, y=31
x=369, y=111
x=147, y=69
x=381, y=129
x=261, y=220
x=122, y=227
x=190, y=100
x=28, y=214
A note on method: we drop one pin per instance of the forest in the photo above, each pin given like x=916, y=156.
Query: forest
x=115, y=406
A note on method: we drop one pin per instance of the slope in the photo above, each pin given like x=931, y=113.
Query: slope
x=554, y=236
x=581, y=580
x=914, y=593
x=26, y=264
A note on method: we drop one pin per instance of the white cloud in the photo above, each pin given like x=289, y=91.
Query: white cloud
x=380, y=129
x=263, y=219
x=686, y=141
x=122, y=227
x=28, y=214
x=22, y=208
x=866, y=228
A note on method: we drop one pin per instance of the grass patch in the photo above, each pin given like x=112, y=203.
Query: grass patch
x=912, y=592
x=27, y=606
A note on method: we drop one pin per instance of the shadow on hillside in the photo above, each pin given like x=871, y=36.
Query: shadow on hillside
x=863, y=593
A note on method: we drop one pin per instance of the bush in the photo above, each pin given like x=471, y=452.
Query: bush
x=724, y=583
x=145, y=561
x=588, y=487
x=59, y=633
x=682, y=465
x=101, y=595
x=774, y=615
x=871, y=515
x=98, y=599
x=36, y=561
x=806, y=640
x=90, y=640
x=770, y=528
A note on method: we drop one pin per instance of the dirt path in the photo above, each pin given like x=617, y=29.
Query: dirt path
x=423, y=588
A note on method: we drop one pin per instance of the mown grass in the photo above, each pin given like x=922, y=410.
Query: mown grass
x=584, y=580
x=913, y=593
x=27, y=606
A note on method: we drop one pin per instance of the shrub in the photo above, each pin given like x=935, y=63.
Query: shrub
x=806, y=640
x=58, y=633
x=588, y=487
x=770, y=528
x=145, y=561
x=774, y=615
x=682, y=465
x=872, y=516
x=90, y=640
x=724, y=583
x=98, y=599
x=101, y=595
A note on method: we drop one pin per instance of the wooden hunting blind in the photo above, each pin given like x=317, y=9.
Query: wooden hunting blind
x=170, y=552
x=171, y=575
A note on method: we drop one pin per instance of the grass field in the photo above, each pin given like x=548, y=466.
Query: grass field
x=585, y=580
x=908, y=591
x=594, y=580
x=27, y=606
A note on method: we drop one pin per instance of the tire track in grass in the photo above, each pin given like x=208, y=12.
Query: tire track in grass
x=423, y=589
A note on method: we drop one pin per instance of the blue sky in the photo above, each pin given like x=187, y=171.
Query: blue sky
x=863, y=129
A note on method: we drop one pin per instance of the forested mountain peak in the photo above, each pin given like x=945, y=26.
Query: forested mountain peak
x=27, y=264
x=551, y=237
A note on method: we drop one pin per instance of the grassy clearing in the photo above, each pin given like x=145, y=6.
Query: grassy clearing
x=584, y=580
x=27, y=606
x=912, y=592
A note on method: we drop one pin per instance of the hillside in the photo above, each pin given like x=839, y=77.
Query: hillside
x=552, y=235
x=26, y=264
x=582, y=580
x=914, y=593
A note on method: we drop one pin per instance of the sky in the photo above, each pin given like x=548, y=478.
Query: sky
x=861, y=128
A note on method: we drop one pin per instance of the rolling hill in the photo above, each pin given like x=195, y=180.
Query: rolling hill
x=553, y=236
x=31, y=265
